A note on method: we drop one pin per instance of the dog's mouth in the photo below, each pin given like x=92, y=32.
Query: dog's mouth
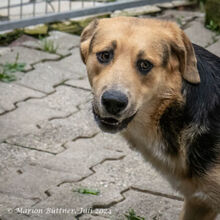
x=112, y=125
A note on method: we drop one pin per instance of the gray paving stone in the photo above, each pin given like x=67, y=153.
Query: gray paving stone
x=132, y=171
x=44, y=77
x=24, y=119
x=110, y=177
x=33, y=181
x=147, y=206
x=11, y=93
x=71, y=165
x=65, y=99
x=79, y=83
x=181, y=17
x=173, y=4
x=215, y=48
x=27, y=56
x=91, y=217
x=8, y=203
x=198, y=34
x=4, y=50
x=63, y=41
x=55, y=133
x=178, y=3
x=81, y=155
x=149, y=9
x=12, y=156
x=71, y=64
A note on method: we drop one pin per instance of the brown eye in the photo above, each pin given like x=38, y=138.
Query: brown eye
x=144, y=66
x=105, y=56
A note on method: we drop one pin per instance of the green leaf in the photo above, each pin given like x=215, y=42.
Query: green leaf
x=88, y=191
x=132, y=215
x=7, y=78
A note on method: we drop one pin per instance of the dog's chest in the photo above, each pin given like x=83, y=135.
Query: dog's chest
x=152, y=149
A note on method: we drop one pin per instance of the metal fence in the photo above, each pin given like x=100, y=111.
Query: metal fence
x=22, y=13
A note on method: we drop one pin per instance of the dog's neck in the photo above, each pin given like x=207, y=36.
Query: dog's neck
x=155, y=133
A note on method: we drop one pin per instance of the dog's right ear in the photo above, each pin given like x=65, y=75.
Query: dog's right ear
x=86, y=37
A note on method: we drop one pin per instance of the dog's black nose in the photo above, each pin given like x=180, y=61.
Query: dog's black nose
x=114, y=101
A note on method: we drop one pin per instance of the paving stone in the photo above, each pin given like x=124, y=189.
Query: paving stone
x=32, y=182
x=83, y=154
x=4, y=50
x=149, y=9
x=178, y=3
x=147, y=206
x=11, y=93
x=91, y=217
x=205, y=36
x=132, y=171
x=168, y=5
x=71, y=165
x=65, y=99
x=24, y=119
x=43, y=78
x=181, y=17
x=215, y=48
x=56, y=132
x=12, y=156
x=111, y=178
x=79, y=83
x=8, y=203
x=63, y=41
x=27, y=56
x=71, y=64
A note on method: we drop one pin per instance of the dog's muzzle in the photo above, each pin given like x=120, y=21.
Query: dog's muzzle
x=114, y=104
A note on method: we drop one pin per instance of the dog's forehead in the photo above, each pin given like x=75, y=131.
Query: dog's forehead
x=141, y=33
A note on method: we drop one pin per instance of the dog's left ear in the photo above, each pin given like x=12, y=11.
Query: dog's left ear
x=183, y=49
x=86, y=37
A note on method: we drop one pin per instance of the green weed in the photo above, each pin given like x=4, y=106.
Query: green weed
x=48, y=45
x=9, y=68
x=88, y=191
x=132, y=215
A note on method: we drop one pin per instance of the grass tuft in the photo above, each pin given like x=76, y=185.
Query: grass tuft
x=48, y=45
x=9, y=68
x=132, y=215
x=88, y=191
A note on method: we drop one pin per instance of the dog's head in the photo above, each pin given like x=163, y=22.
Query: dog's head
x=133, y=63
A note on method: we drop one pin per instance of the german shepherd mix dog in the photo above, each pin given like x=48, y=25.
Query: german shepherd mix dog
x=163, y=94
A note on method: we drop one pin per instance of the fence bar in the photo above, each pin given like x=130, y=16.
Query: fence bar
x=21, y=8
x=59, y=6
x=76, y=13
x=8, y=9
x=46, y=7
x=34, y=8
x=70, y=5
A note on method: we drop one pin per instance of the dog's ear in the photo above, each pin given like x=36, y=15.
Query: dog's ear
x=183, y=49
x=86, y=37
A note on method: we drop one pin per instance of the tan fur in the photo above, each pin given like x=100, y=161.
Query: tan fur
x=150, y=95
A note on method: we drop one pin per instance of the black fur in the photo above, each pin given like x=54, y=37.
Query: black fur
x=171, y=123
x=202, y=108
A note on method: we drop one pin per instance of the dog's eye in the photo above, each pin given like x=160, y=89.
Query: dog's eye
x=144, y=66
x=105, y=56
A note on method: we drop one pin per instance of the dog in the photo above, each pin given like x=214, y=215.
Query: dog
x=162, y=93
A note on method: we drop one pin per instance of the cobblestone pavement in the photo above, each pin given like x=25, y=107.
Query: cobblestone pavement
x=50, y=147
